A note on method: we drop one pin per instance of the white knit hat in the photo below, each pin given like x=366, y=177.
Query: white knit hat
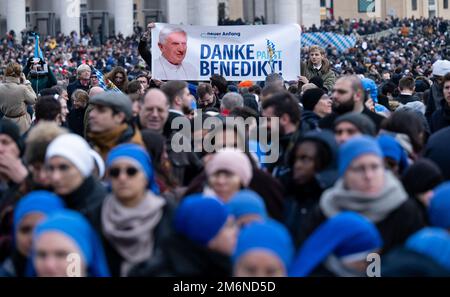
x=73, y=148
x=441, y=67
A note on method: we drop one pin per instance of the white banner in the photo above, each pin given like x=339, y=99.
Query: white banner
x=235, y=52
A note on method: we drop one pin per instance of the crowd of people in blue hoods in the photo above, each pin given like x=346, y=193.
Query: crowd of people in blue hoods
x=92, y=185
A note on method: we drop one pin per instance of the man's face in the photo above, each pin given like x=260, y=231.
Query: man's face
x=143, y=82
x=206, y=100
x=154, y=111
x=342, y=97
x=85, y=78
x=174, y=48
x=315, y=57
x=102, y=119
x=446, y=91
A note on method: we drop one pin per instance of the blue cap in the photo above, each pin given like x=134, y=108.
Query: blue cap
x=371, y=87
x=246, y=202
x=439, y=208
x=392, y=149
x=75, y=226
x=136, y=154
x=345, y=234
x=356, y=147
x=432, y=242
x=43, y=202
x=200, y=218
x=270, y=236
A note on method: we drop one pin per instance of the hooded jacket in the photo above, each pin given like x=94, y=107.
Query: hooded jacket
x=325, y=73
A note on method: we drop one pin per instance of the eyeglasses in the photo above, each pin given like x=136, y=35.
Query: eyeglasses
x=130, y=172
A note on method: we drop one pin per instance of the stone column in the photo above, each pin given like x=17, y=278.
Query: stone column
x=123, y=17
x=15, y=16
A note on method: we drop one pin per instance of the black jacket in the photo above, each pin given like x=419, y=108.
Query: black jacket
x=88, y=196
x=145, y=53
x=403, y=262
x=394, y=229
x=328, y=121
x=404, y=99
x=114, y=259
x=180, y=257
x=75, y=121
x=440, y=118
x=310, y=121
x=437, y=150
x=72, y=88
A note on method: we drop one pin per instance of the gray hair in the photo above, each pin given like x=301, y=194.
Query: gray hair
x=232, y=100
x=167, y=30
x=274, y=79
x=83, y=68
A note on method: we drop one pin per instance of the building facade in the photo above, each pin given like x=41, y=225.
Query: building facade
x=120, y=16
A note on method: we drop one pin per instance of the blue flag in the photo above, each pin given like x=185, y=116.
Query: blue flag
x=37, y=49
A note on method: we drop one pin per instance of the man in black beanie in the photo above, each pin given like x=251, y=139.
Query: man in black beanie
x=316, y=105
x=352, y=124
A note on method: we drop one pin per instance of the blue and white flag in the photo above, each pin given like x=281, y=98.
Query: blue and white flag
x=323, y=39
x=105, y=84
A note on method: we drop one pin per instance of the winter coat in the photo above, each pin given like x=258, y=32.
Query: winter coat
x=325, y=73
x=437, y=150
x=181, y=257
x=440, y=118
x=88, y=196
x=14, y=98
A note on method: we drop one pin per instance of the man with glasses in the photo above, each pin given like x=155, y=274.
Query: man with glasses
x=83, y=82
x=348, y=95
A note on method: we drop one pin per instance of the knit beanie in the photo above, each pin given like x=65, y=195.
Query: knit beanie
x=356, y=147
x=364, y=124
x=311, y=97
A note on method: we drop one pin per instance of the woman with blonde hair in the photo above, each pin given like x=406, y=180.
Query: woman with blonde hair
x=16, y=94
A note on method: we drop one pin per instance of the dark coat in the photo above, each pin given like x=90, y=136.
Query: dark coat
x=328, y=121
x=162, y=230
x=404, y=99
x=14, y=266
x=403, y=262
x=440, y=118
x=72, y=88
x=394, y=229
x=310, y=121
x=88, y=196
x=181, y=257
x=302, y=199
x=437, y=150
x=75, y=121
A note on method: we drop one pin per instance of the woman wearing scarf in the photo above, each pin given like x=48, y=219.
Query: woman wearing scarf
x=70, y=165
x=133, y=217
x=204, y=241
x=367, y=188
x=264, y=249
x=62, y=235
x=29, y=211
x=338, y=247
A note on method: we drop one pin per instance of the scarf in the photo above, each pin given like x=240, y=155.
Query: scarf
x=375, y=207
x=130, y=230
x=105, y=141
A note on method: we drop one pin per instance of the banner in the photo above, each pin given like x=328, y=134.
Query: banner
x=235, y=52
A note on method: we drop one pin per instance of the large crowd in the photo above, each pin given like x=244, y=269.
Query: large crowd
x=362, y=167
